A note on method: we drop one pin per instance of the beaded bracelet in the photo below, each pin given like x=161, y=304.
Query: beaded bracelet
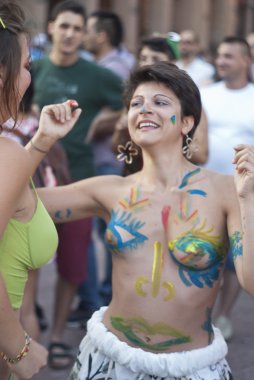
x=22, y=353
x=38, y=149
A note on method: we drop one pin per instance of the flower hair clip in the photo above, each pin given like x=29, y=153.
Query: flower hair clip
x=126, y=152
x=2, y=23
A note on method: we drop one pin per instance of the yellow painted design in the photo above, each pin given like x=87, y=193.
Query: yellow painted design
x=134, y=203
x=171, y=290
x=157, y=268
x=138, y=286
x=156, y=277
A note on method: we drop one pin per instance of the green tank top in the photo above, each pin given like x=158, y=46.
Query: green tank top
x=26, y=246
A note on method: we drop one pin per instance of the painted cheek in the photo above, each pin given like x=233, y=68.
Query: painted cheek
x=173, y=119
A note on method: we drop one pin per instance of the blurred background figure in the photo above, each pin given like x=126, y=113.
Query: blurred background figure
x=39, y=46
x=250, y=40
x=157, y=48
x=201, y=71
x=228, y=106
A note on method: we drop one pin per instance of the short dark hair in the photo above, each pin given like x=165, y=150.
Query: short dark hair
x=158, y=44
x=13, y=19
x=238, y=40
x=68, y=5
x=110, y=23
x=176, y=80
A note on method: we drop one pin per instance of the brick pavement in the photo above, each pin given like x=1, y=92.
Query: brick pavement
x=241, y=347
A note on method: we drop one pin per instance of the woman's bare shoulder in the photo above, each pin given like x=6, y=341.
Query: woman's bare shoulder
x=13, y=157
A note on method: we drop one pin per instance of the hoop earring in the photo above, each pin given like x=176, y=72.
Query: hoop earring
x=126, y=152
x=190, y=147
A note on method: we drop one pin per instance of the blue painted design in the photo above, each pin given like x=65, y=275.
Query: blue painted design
x=124, y=222
x=197, y=192
x=58, y=215
x=68, y=212
x=207, y=326
x=173, y=119
x=198, y=277
x=236, y=245
x=187, y=177
x=203, y=257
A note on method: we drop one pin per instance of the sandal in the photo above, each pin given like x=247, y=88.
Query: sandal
x=61, y=355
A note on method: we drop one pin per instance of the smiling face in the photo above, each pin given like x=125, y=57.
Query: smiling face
x=154, y=115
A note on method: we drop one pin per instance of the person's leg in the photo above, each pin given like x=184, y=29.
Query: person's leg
x=89, y=299
x=27, y=312
x=105, y=289
x=74, y=238
x=88, y=290
x=64, y=294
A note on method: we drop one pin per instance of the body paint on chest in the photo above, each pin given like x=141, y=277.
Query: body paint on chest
x=135, y=202
x=199, y=256
x=123, y=232
x=185, y=181
x=155, y=281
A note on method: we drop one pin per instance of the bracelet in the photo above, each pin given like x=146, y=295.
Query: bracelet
x=38, y=149
x=22, y=353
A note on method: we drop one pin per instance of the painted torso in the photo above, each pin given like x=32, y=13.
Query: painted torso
x=168, y=255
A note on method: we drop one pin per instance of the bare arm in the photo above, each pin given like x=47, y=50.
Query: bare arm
x=78, y=200
x=200, y=140
x=241, y=217
x=55, y=122
x=10, y=327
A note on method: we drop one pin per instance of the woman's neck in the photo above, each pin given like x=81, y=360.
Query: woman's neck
x=164, y=169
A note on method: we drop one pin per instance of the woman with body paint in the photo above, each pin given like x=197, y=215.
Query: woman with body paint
x=25, y=226
x=169, y=227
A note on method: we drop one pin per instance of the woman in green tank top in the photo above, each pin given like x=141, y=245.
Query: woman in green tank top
x=24, y=219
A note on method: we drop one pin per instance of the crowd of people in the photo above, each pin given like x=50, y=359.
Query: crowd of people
x=133, y=149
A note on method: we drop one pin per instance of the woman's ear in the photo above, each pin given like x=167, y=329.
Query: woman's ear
x=188, y=124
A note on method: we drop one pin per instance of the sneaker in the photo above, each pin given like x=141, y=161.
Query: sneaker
x=225, y=326
x=78, y=318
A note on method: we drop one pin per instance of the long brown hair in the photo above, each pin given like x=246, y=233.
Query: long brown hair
x=12, y=25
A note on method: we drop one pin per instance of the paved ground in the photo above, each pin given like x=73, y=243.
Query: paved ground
x=241, y=348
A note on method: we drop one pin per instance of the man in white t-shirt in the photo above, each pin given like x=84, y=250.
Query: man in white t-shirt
x=228, y=106
x=199, y=70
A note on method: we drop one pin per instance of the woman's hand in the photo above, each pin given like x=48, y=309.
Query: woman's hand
x=56, y=121
x=31, y=364
x=244, y=170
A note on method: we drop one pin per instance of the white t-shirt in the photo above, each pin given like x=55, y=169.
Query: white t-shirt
x=230, y=116
x=199, y=70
